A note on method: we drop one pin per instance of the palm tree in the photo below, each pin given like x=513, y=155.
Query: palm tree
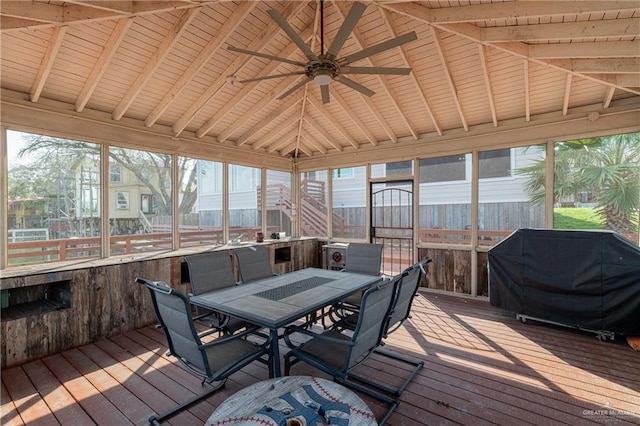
x=606, y=167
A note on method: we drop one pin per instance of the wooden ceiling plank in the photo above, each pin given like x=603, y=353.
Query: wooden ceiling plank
x=177, y=30
x=419, y=90
x=487, y=83
x=383, y=81
x=354, y=117
x=289, y=50
x=599, y=49
x=567, y=94
x=282, y=109
x=312, y=141
x=118, y=34
x=380, y=119
x=284, y=141
x=307, y=118
x=267, y=139
x=47, y=62
x=335, y=123
x=519, y=49
x=256, y=44
x=227, y=29
x=447, y=73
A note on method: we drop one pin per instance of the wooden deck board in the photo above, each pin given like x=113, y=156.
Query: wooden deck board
x=482, y=366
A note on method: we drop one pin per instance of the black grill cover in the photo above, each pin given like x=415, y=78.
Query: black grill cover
x=584, y=279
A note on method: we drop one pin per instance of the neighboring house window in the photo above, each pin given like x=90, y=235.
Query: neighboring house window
x=122, y=200
x=443, y=169
x=115, y=174
x=347, y=172
x=496, y=163
x=146, y=203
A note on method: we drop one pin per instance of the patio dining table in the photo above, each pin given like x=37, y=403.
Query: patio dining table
x=278, y=301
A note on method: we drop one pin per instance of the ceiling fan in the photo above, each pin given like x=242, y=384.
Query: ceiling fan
x=327, y=67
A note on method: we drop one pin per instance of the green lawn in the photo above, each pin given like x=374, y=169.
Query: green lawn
x=576, y=218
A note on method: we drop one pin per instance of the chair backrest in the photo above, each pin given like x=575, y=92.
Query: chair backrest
x=363, y=258
x=174, y=314
x=210, y=271
x=374, y=309
x=406, y=292
x=253, y=263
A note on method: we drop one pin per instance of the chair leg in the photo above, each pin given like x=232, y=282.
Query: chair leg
x=155, y=420
x=417, y=366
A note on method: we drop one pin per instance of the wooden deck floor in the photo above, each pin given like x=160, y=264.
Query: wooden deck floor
x=481, y=367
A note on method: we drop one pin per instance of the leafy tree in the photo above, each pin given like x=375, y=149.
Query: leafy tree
x=152, y=170
x=606, y=167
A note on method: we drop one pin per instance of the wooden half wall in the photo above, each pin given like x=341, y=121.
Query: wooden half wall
x=63, y=308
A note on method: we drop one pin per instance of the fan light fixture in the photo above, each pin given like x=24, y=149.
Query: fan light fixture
x=322, y=77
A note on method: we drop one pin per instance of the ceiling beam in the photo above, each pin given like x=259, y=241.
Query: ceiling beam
x=57, y=35
x=487, y=83
x=225, y=31
x=567, y=94
x=447, y=73
x=35, y=14
x=169, y=41
x=525, y=9
x=110, y=48
x=599, y=66
x=608, y=96
x=629, y=27
x=527, y=92
x=591, y=50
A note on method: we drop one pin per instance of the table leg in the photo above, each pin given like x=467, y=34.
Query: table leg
x=275, y=353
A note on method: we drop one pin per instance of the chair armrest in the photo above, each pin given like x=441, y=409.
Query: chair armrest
x=241, y=335
x=297, y=329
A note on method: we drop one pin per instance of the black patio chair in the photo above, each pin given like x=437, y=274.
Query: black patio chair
x=400, y=311
x=213, y=361
x=339, y=354
x=210, y=272
x=253, y=263
x=361, y=258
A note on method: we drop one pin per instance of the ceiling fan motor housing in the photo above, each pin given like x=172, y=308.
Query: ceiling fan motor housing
x=322, y=71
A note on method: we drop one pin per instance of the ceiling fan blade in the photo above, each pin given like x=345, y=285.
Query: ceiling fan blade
x=375, y=70
x=324, y=91
x=380, y=47
x=293, y=89
x=292, y=34
x=268, y=77
x=345, y=30
x=264, y=55
x=356, y=86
